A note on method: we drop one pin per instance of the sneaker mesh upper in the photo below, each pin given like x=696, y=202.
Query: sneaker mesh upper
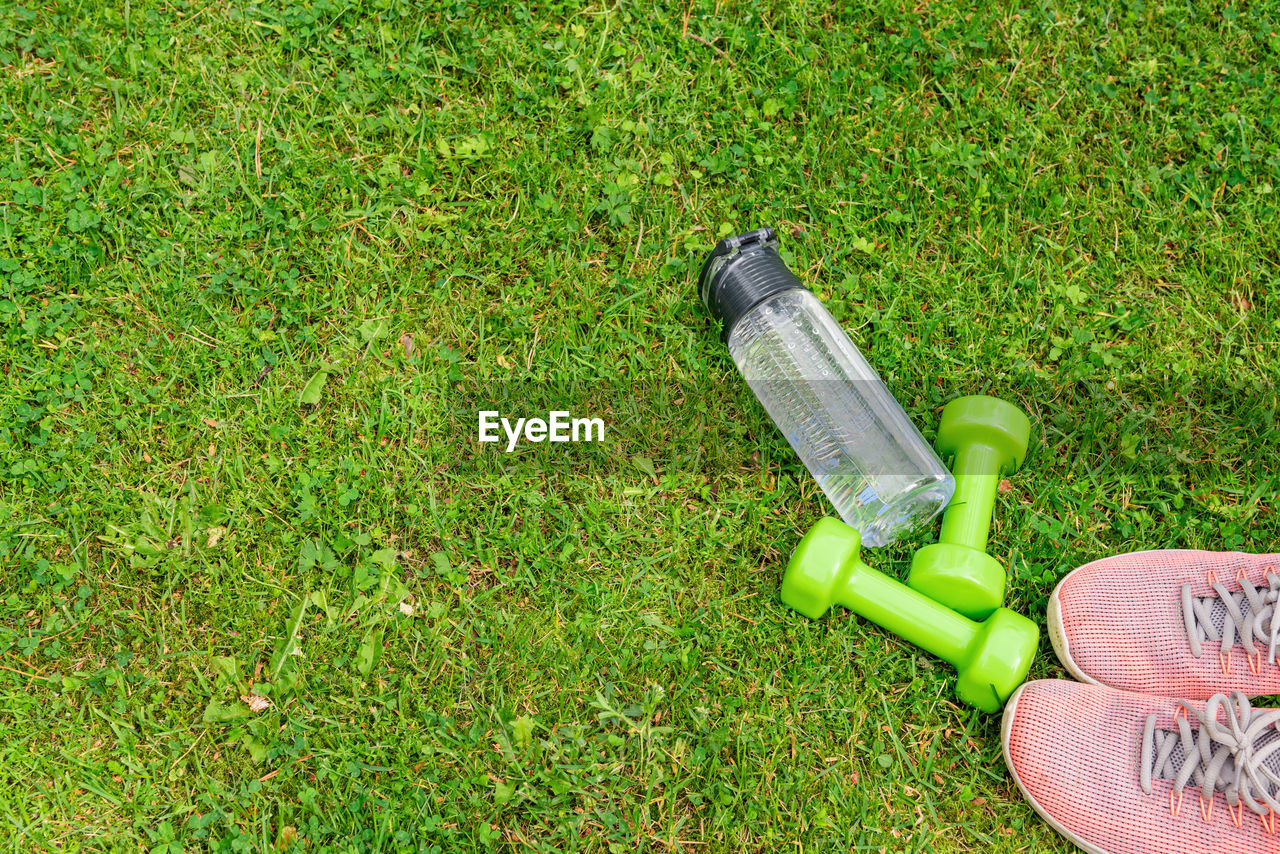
x=1075, y=751
x=1119, y=622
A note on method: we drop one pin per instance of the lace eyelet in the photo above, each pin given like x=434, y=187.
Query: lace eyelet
x=1206, y=809
x=1174, y=809
x=1237, y=815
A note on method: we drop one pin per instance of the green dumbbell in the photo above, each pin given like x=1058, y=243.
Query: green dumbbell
x=992, y=656
x=988, y=439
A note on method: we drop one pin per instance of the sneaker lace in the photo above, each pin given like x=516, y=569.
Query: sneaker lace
x=1240, y=755
x=1250, y=614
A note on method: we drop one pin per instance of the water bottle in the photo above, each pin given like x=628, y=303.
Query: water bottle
x=878, y=471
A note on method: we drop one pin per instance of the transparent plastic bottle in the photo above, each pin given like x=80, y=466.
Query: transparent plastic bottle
x=849, y=431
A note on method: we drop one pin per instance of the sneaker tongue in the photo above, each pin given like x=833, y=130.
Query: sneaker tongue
x=1213, y=617
x=1179, y=757
x=1218, y=615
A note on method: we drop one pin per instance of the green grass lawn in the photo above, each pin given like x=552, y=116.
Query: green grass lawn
x=260, y=264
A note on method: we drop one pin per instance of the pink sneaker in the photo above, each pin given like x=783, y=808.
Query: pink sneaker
x=1123, y=773
x=1174, y=623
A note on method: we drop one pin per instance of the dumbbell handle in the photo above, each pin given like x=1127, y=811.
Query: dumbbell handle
x=912, y=616
x=967, y=518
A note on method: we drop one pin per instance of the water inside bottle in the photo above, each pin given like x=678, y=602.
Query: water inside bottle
x=836, y=413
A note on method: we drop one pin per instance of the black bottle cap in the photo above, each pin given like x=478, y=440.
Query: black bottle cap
x=742, y=272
